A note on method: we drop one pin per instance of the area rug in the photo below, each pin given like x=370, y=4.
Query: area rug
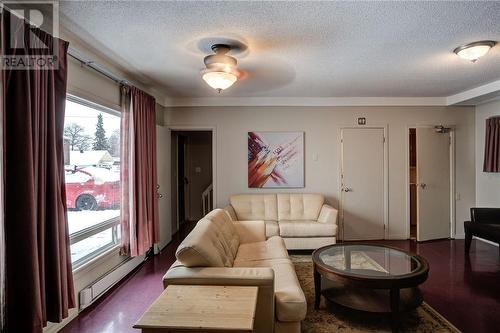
x=336, y=319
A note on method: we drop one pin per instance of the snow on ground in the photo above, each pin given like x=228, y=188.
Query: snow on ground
x=91, y=244
x=78, y=220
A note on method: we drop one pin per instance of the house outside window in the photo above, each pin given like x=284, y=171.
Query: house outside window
x=92, y=175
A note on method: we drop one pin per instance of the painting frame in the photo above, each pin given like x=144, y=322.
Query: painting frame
x=276, y=159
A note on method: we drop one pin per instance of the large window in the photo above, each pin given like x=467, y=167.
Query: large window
x=92, y=172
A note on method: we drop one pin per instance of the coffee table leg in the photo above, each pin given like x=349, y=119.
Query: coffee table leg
x=395, y=310
x=317, y=289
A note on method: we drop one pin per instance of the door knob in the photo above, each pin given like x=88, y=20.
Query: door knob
x=347, y=189
x=422, y=185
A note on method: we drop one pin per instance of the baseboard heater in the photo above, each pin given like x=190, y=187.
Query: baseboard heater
x=96, y=289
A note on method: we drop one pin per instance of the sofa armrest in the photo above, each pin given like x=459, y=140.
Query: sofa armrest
x=230, y=210
x=251, y=231
x=328, y=214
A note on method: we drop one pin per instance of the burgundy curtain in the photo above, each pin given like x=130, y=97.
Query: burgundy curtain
x=492, y=145
x=39, y=283
x=139, y=205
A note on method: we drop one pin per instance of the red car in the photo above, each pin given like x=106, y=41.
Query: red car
x=92, y=188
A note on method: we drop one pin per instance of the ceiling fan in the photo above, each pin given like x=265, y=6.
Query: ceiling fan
x=262, y=73
x=221, y=69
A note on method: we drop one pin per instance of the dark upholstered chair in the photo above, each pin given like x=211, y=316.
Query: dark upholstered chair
x=484, y=223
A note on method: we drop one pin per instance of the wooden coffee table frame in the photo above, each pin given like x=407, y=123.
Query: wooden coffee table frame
x=392, y=283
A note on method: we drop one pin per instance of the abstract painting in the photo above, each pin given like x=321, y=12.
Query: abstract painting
x=275, y=159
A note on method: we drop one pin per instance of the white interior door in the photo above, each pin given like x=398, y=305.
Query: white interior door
x=362, y=180
x=433, y=184
x=163, y=174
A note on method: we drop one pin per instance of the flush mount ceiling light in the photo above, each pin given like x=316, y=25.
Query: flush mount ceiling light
x=474, y=51
x=221, y=71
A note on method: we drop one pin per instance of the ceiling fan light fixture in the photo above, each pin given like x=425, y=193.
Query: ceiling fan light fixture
x=474, y=51
x=221, y=71
x=219, y=80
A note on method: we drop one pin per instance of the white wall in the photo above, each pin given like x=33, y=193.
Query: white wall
x=321, y=126
x=87, y=83
x=487, y=184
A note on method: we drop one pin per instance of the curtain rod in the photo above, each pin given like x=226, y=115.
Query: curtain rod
x=77, y=55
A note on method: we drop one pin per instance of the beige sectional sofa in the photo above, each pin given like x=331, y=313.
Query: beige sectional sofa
x=221, y=252
x=302, y=219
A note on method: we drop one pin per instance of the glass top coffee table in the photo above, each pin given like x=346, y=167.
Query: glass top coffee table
x=367, y=277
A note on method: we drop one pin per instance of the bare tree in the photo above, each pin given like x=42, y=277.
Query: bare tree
x=84, y=142
x=77, y=139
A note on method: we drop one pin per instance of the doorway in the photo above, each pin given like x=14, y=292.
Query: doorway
x=363, y=189
x=413, y=182
x=192, y=177
x=430, y=171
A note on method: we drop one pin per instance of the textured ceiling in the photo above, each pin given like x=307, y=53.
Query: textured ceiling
x=297, y=49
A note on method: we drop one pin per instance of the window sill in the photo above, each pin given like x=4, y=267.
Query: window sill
x=99, y=260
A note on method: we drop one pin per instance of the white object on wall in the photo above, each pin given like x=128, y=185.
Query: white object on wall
x=95, y=290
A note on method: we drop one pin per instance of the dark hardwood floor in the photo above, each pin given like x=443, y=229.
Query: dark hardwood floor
x=465, y=291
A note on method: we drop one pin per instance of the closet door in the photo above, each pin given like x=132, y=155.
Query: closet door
x=362, y=180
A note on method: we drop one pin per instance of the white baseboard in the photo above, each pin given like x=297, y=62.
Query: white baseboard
x=101, y=286
x=459, y=236
x=396, y=237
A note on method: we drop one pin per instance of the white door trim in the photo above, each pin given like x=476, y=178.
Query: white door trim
x=452, y=178
x=384, y=127
x=212, y=129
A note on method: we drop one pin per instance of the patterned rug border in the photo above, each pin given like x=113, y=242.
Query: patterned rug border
x=439, y=317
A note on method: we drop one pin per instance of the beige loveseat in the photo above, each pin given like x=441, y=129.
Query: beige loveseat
x=220, y=252
x=302, y=219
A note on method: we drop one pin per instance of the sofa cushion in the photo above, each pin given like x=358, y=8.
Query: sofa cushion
x=255, y=207
x=308, y=243
x=298, y=206
x=224, y=223
x=273, y=248
x=307, y=229
x=205, y=247
x=290, y=300
x=272, y=229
